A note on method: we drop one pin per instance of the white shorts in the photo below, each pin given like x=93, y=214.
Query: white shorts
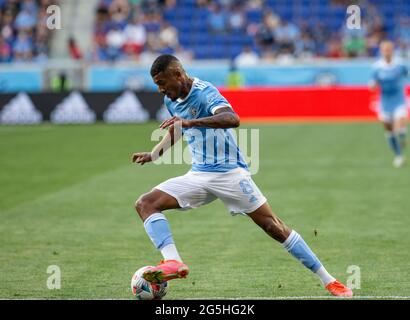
x=397, y=113
x=235, y=188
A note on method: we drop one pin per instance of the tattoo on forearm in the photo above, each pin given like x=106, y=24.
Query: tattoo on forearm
x=219, y=120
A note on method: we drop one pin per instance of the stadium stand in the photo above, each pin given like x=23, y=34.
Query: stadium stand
x=222, y=29
x=137, y=30
x=24, y=36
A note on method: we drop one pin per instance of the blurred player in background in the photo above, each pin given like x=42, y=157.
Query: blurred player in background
x=390, y=75
x=206, y=118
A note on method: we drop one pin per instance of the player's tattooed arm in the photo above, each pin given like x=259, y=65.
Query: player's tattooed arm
x=223, y=118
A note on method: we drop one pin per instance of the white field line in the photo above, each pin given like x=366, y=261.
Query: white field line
x=305, y=298
x=238, y=299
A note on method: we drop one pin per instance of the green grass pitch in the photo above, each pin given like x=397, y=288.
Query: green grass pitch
x=67, y=198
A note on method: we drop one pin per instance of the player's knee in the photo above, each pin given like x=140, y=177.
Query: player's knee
x=388, y=127
x=141, y=205
x=145, y=206
x=138, y=205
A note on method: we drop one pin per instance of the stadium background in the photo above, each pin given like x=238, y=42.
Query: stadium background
x=67, y=191
x=303, y=50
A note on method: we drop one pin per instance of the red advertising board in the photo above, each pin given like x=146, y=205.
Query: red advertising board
x=313, y=103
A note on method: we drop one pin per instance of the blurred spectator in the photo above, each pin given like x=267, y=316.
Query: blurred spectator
x=354, y=46
x=375, y=36
x=234, y=78
x=10, y=5
x=402, y=29
x=285, y=57
x=286, y=35
x=322, y=35
x=115, y=40
x=22, y=47
x=119, y=11
x=170, y=4
x=136, y=37
x=185, y=56
x=74, y=49
x=202, y=3
x=334, y=49
x=402, y=33
x=7, y=30
x=27, y=17
x=236, y=18
x=305, y=47
x=5, y=51
x=30, y=6
x=403, y=50
x=265, y=37
x=254, y=4
x=246, y=58
x=99, y=52
x=217, y=19
x=102, y=19
x=168, y=36
x=151, y=10
x=61, y=83
x=148, y=56
x=354, y=40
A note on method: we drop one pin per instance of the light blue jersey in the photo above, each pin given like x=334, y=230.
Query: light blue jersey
x=392, y=79
x=212, y=150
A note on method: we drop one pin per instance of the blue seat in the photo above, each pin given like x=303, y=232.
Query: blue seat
x=254, y=16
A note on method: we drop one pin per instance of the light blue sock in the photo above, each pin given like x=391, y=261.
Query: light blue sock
x=394, y=143
x=158, y=230
x=298, y=248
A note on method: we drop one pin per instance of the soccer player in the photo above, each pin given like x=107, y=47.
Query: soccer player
x=390, y=75
x=206, y=118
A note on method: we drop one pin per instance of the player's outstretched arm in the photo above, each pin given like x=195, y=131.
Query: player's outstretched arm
x=172, y=136
x=372, y=85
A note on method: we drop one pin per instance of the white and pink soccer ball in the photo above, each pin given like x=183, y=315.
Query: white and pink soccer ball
x=144, y=290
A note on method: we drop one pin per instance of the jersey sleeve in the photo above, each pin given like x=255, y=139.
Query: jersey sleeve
x=213, y=100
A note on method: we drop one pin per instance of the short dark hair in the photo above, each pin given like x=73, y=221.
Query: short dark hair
x=162, y=63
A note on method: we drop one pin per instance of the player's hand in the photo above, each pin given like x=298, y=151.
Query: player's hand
x=142, y=157
x=173, y=121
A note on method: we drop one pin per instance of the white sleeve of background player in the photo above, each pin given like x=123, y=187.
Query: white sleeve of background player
x=214, y=100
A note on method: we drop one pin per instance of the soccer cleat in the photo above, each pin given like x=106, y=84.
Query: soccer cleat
x=338, y=289
x=398, y=161
x=165, y=271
